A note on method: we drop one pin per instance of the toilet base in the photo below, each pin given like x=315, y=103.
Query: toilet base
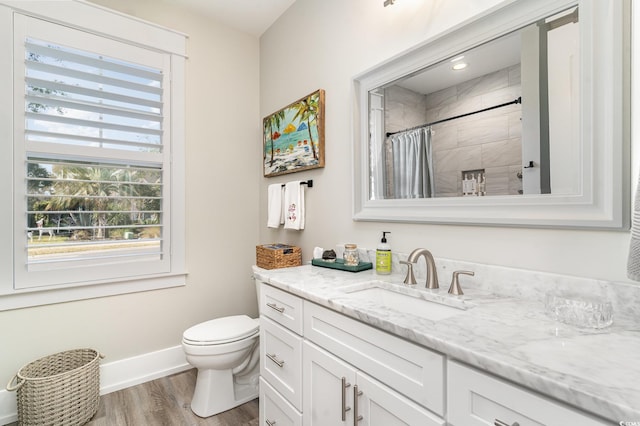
x=216, y=392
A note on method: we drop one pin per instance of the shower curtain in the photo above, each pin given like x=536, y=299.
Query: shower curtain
x=412, y=164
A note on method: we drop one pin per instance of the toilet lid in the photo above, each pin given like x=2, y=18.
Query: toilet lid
x=222, y=330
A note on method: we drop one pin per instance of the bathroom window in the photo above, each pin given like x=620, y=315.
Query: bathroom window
x=97, y=162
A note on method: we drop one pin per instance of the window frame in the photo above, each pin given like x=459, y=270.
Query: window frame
x=113, y=26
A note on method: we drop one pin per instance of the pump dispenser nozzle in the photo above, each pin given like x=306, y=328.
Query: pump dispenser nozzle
x=384, y=236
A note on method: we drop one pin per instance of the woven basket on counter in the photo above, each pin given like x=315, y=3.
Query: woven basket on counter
x=59, y=389
x=272, y=256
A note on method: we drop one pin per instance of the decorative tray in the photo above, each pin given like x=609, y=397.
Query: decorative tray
x=339, y=264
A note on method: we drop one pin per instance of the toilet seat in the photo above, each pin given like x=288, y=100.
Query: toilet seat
x=221, y=330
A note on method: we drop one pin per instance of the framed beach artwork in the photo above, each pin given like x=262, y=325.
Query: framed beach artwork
x=293, y=137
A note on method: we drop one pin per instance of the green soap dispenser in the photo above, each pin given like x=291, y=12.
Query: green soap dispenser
x=383, y=256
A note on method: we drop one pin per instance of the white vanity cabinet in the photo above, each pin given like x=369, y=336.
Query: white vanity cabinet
x=274, y=409
x=478, y=399
x=410, y=369
x=281, y=307
x=280, y=357
x=336, y=393
x=342, y=356
x=281, y=360
x=319, y=367
x=306, y=351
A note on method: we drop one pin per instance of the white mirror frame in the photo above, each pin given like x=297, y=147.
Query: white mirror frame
x=605, y=135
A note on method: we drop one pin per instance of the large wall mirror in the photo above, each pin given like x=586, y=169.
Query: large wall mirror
x=519, y=117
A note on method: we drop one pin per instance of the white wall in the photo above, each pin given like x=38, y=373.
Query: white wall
x=323, y=44
x=223, y=166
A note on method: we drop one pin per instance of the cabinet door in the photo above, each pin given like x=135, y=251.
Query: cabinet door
x=477, y=399
x=282, y=307
x=328, y=388
x=413, y=370
x=378, y=405
x=275, y=410
x=281, y=360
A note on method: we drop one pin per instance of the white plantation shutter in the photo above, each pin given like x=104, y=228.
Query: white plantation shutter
x=78, y=97
x=93, y=150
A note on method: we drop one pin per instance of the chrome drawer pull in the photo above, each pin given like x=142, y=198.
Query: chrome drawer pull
x=270, y=422
x=275, y=307
x=356, y=393
x=501, y=423
x=345, y=385
x=276, y=360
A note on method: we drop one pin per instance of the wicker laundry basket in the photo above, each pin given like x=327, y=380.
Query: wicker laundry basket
x=59, y=389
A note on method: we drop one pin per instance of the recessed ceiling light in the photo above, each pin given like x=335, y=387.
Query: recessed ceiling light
x=458, y=58
x=459, y=66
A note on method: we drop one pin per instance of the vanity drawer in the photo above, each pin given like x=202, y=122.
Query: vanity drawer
x=275, y=410
x=412, y=370
x=478, y=399
x=281, y=360
x=282, y=307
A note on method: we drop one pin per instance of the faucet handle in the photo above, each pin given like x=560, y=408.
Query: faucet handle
x=455, y=285
x=410, y=279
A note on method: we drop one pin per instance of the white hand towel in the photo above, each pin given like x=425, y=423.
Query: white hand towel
x=294, y=205
x=275, y=214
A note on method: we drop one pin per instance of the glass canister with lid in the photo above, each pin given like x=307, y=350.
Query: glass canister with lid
x=350, y=256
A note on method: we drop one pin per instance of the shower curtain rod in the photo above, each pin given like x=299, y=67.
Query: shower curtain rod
x=515, y=101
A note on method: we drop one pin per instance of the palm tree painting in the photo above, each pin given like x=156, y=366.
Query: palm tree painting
x=293, y=137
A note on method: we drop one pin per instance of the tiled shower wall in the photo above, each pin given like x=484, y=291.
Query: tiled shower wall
x=490, y=140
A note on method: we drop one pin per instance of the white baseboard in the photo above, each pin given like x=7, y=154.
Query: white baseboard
x=117, y=375
x=142, y=368
x=8, y=410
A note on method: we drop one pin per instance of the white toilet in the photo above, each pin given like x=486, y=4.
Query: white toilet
x=226, y=353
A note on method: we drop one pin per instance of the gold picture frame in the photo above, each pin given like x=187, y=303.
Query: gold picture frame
x=293, y=137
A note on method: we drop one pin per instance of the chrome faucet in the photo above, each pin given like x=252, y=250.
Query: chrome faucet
x=432, y=274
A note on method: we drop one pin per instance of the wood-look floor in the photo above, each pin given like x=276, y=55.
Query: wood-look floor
x=165, y=402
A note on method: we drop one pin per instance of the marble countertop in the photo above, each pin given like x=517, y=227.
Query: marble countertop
x=597, y=371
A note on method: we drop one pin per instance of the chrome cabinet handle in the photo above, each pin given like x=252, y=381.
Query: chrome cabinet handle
x=274, y=358
x=498, y=422
x=275, y=307
x=270, y=422
x=345, y=385
x=356, y=393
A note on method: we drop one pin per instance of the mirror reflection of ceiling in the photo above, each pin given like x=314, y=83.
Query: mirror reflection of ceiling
x=495, y=55
x=485, y=59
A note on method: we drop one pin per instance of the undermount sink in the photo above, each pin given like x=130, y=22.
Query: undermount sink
x=407, y=301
